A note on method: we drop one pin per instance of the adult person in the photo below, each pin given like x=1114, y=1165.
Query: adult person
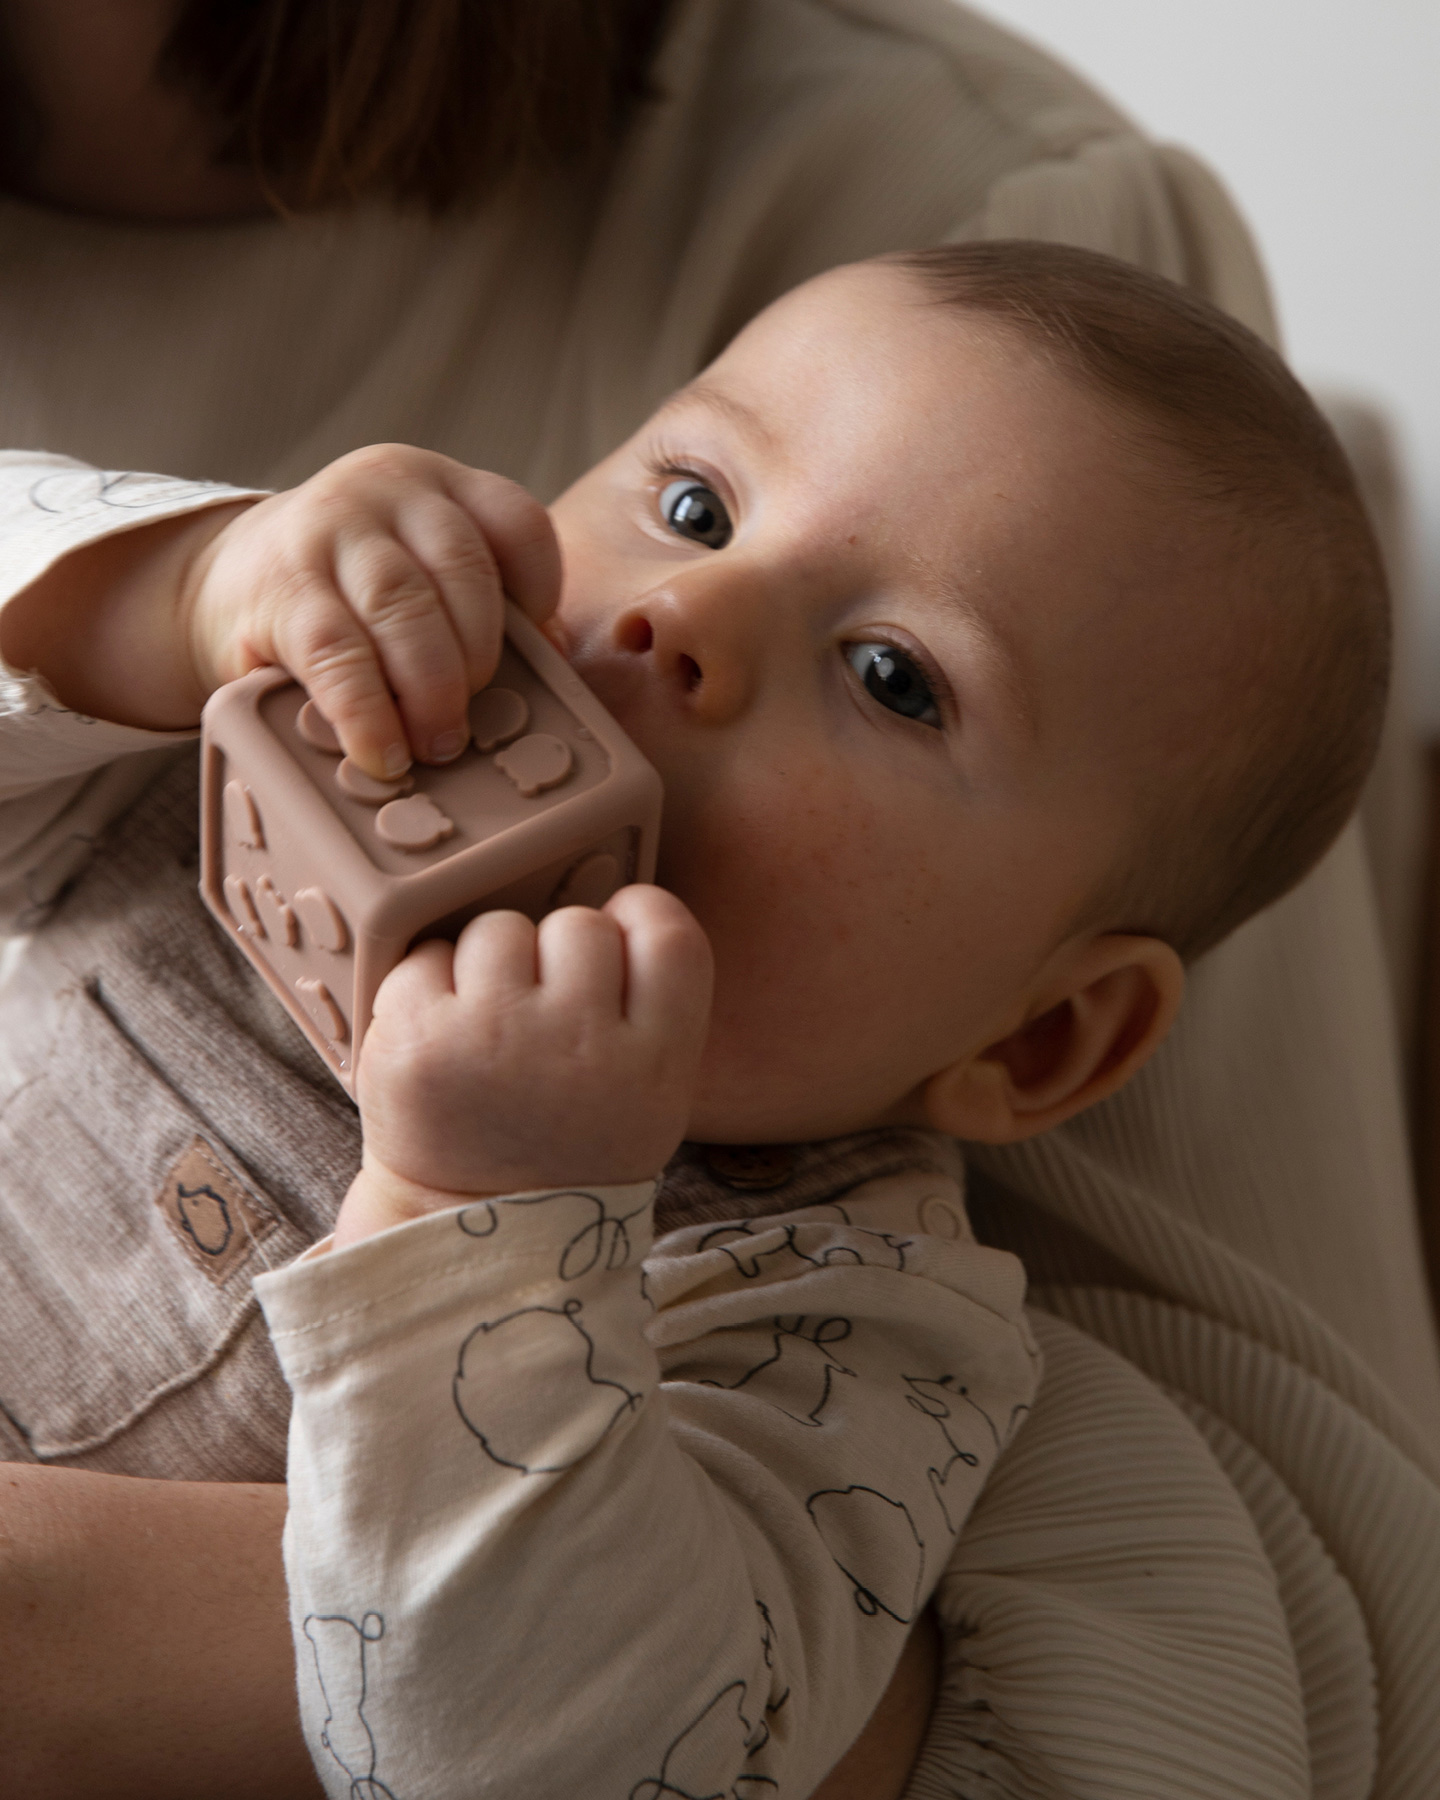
x=241, y=240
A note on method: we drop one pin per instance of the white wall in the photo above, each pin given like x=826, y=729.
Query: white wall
x=1324, y=118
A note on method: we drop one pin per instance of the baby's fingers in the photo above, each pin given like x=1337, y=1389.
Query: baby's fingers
x=322, y=643
x=495, y=958
x=669, y=968
x=431, y=588
x=520, y=536
x=409, y=616
x=582, y=965
x=421, y=978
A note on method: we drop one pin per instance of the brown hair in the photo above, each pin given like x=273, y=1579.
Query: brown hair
x=1238, y=436
x=428, y=102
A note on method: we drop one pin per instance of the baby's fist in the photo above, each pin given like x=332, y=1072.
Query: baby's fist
x=540, y=1056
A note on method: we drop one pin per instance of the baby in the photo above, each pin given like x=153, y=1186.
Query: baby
x=1006, y=629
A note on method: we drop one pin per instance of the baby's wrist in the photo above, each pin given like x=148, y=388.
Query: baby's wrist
x=379, y=1198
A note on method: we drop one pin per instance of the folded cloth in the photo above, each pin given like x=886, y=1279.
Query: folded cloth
x=1198, y=1572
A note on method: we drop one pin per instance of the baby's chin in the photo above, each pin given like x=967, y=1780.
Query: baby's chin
x=744, y=1101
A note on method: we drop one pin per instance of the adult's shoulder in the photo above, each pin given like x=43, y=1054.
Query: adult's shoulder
x=785, y=137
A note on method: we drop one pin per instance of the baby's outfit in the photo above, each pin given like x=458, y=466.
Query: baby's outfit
x=575, y=1513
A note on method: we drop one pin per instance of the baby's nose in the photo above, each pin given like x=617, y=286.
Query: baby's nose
x=704, y=640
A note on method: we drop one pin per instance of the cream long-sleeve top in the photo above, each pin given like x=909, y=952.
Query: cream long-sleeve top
x=1207, y=1567
x=572, y=1514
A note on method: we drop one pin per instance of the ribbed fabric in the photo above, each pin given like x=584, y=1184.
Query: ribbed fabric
x=1255, y=1612
x=1256, y=1171
x=1376, y=1513
x=1113, y=1625
x=1327, y=1627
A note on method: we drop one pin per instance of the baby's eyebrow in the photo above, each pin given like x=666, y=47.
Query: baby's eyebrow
x=997, y=648
x=709, y=394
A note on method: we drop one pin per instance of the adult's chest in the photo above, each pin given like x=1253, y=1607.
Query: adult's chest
x=165, y=1134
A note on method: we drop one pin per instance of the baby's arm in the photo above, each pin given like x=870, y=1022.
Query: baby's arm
x=585, y=1527
x=65, y=777
x=377, y=583
x=131, y=597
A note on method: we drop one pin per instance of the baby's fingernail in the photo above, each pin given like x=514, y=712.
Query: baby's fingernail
x=447, y=746
x=397, y=760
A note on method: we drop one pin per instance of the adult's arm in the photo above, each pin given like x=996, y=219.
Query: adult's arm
x=145, y=1648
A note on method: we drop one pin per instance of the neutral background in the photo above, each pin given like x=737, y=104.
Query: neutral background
x=1323, y=116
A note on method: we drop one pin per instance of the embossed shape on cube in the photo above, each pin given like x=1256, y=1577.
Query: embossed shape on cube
x=324, y=883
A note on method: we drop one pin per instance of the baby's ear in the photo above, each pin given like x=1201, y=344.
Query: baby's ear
x=1117, y=998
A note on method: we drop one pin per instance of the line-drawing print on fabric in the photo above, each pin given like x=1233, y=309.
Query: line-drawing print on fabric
x=130, y=490
x=339, y=1645
x=480, y=1220
x=205, y=1216
x=940, y=1399
x=800, y=1367
x=767, y=1650
x=703, y=1762
x=597, y=1236
x=876, y=1547
x=523, y=1425
x=772, y=1243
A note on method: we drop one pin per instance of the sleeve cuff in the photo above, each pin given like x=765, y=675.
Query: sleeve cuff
x=329, y=1303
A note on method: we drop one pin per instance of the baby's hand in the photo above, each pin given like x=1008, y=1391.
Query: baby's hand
x=378, y=584
x=531, y=1056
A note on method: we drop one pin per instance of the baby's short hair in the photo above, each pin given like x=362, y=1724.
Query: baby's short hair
x=1261, y=802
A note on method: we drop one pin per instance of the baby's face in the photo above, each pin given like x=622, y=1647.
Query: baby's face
x=871, y=595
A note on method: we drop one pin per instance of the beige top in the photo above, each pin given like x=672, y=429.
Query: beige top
x=1238, y=1226
x=571, y=1515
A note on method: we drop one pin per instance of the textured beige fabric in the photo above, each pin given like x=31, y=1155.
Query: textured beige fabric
x=1294, y=1586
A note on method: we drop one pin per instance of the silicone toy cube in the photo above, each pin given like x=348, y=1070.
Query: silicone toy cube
x=326, y=877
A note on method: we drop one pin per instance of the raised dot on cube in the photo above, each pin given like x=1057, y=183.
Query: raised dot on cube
x=241, y=906
x=316, y=729
x=413, y=824
x=536, y=763
x=352, y=780
x=242, y=816
x=319, y=1002
x=276, y=913
x=497, y=714
x=323, y=921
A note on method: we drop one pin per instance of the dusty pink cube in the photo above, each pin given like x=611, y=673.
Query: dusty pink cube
x=326, y=877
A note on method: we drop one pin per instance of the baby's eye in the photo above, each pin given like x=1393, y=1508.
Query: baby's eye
x=696, y=511
x=895, y=680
